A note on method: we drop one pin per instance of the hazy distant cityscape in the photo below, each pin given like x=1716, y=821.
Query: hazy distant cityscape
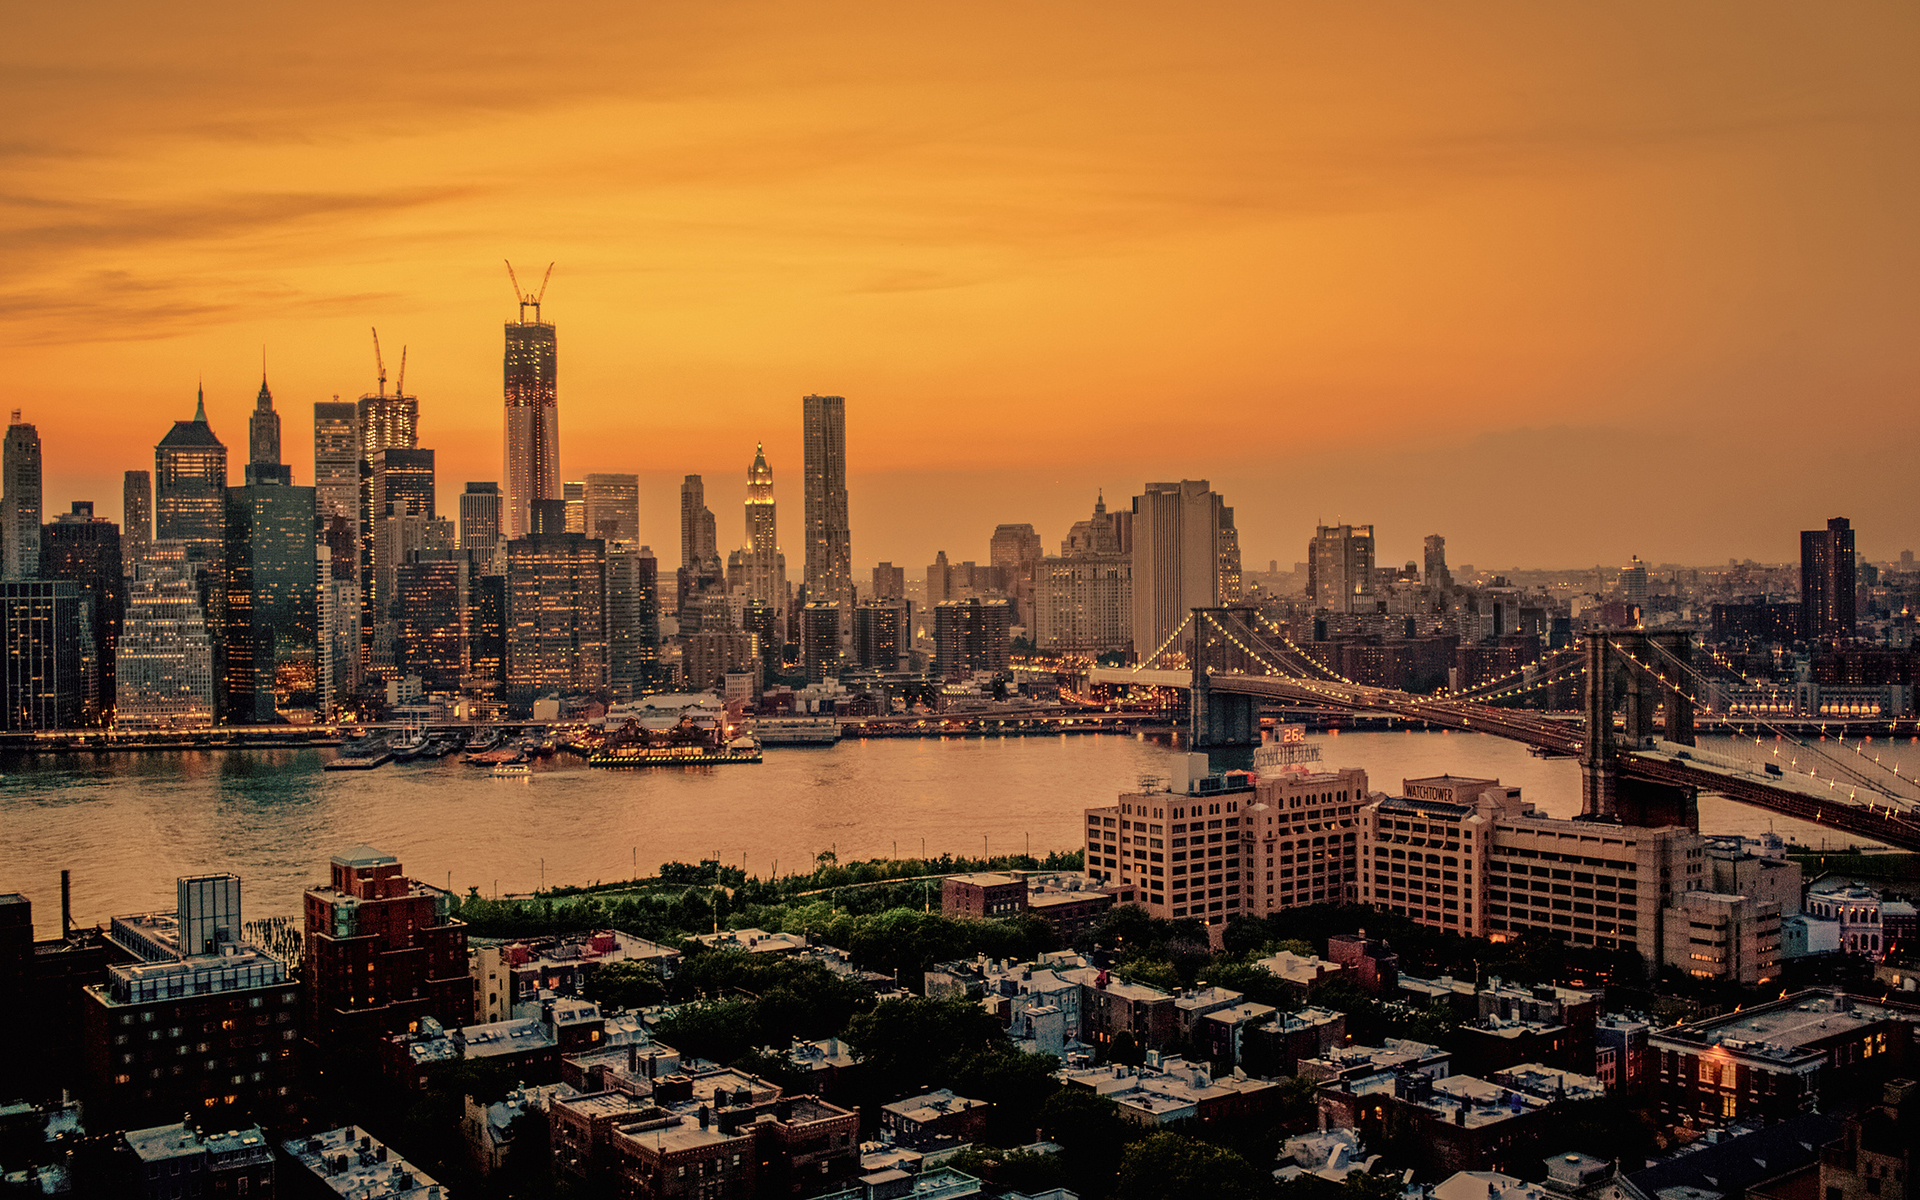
x=1033, y=639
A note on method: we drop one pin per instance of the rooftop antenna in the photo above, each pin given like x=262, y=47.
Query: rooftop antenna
x=400, y=383
x=379, y=362
x=528, y=299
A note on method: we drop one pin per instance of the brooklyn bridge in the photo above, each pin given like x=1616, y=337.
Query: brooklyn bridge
x=1634, y=737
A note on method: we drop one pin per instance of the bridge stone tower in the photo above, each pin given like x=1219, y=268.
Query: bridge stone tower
x=1219, y=720
x=1636, y=672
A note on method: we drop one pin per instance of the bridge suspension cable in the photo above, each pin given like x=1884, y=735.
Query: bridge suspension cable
x=1171, y=638
x=1859, y=779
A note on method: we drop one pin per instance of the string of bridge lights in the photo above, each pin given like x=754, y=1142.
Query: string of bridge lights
x=1163, y=645
x=1569, y=652
x=1859, y=779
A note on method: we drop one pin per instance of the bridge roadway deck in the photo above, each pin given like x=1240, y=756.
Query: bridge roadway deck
x=1893, y=821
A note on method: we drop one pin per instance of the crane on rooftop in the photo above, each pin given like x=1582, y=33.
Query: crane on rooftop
x=528, y=299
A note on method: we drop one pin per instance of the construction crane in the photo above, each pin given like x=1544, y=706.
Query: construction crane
x=379, y=362
x=400, y=381
x=528, y=299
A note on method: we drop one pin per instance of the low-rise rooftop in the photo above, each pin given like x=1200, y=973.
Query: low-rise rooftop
x=356, y=1166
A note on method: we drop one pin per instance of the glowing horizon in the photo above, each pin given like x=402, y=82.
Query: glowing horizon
x=1565, y=285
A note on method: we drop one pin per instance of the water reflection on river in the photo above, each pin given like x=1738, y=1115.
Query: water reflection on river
x=128, y=824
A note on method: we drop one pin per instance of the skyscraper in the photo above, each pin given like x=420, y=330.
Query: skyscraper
x=432, y=639
x=1014, y=551
x=820, y=655
x=633, y=621
x=336, y=462
x=1083, y=599
x=480, y=520
x=971, y=635
x=190, y=488
x=136, y=520
x=575, y=493
x=1340, y=568
x=882, y=633
x=270, y=619
x=1177, y=557
x=163, y=671
x=556, y=610
x=1434, y=569
x=42, y=649
x=765, y=567
x=613, y=509
x=20, y=500
x=889, y=582
x=85, y=551
x=829, y=576
x=263, y=428
x=531, y=369
x=385, y=422
x=699, y=538
x=1827, y=582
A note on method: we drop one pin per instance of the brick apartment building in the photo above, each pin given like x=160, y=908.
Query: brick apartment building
x=381, y=952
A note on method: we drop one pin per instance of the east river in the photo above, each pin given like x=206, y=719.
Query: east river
x=127, y=824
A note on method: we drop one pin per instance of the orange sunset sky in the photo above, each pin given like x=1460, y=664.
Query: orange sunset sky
x=1566, y=281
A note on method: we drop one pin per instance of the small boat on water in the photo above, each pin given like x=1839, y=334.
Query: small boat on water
x=362, y=755
x=483, y=739
x=359, y=762
x=512, y=770
x=494, y=758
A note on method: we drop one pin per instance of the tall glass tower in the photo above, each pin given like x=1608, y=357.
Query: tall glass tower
x=190, y=488
x=20, y=507
x=829, y=541
x=532, y=417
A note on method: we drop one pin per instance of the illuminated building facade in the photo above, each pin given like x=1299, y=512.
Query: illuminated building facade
x=381, y=951
x=532, y=467
x=1178, y=557
x=1212, y=847
x=85, y=550
x=136, y=522
x=613, y=509
x=336, y=462
x=820, y=640
x=574, y=492
x=1340, y=568
x=829, y=572
x=20, y=504
x=43, y=646
x=633, y=621
x=971, y=635
x=1827, y=582
x=190, y=488
x=882, y=634
x=556, y=610
x=487, y=636
x=163, y=672
x=432, y=636
x=270, y=626
x=764, y=567
x=1083, y=599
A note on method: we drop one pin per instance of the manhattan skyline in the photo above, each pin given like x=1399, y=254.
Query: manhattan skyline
x=1496, y=257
